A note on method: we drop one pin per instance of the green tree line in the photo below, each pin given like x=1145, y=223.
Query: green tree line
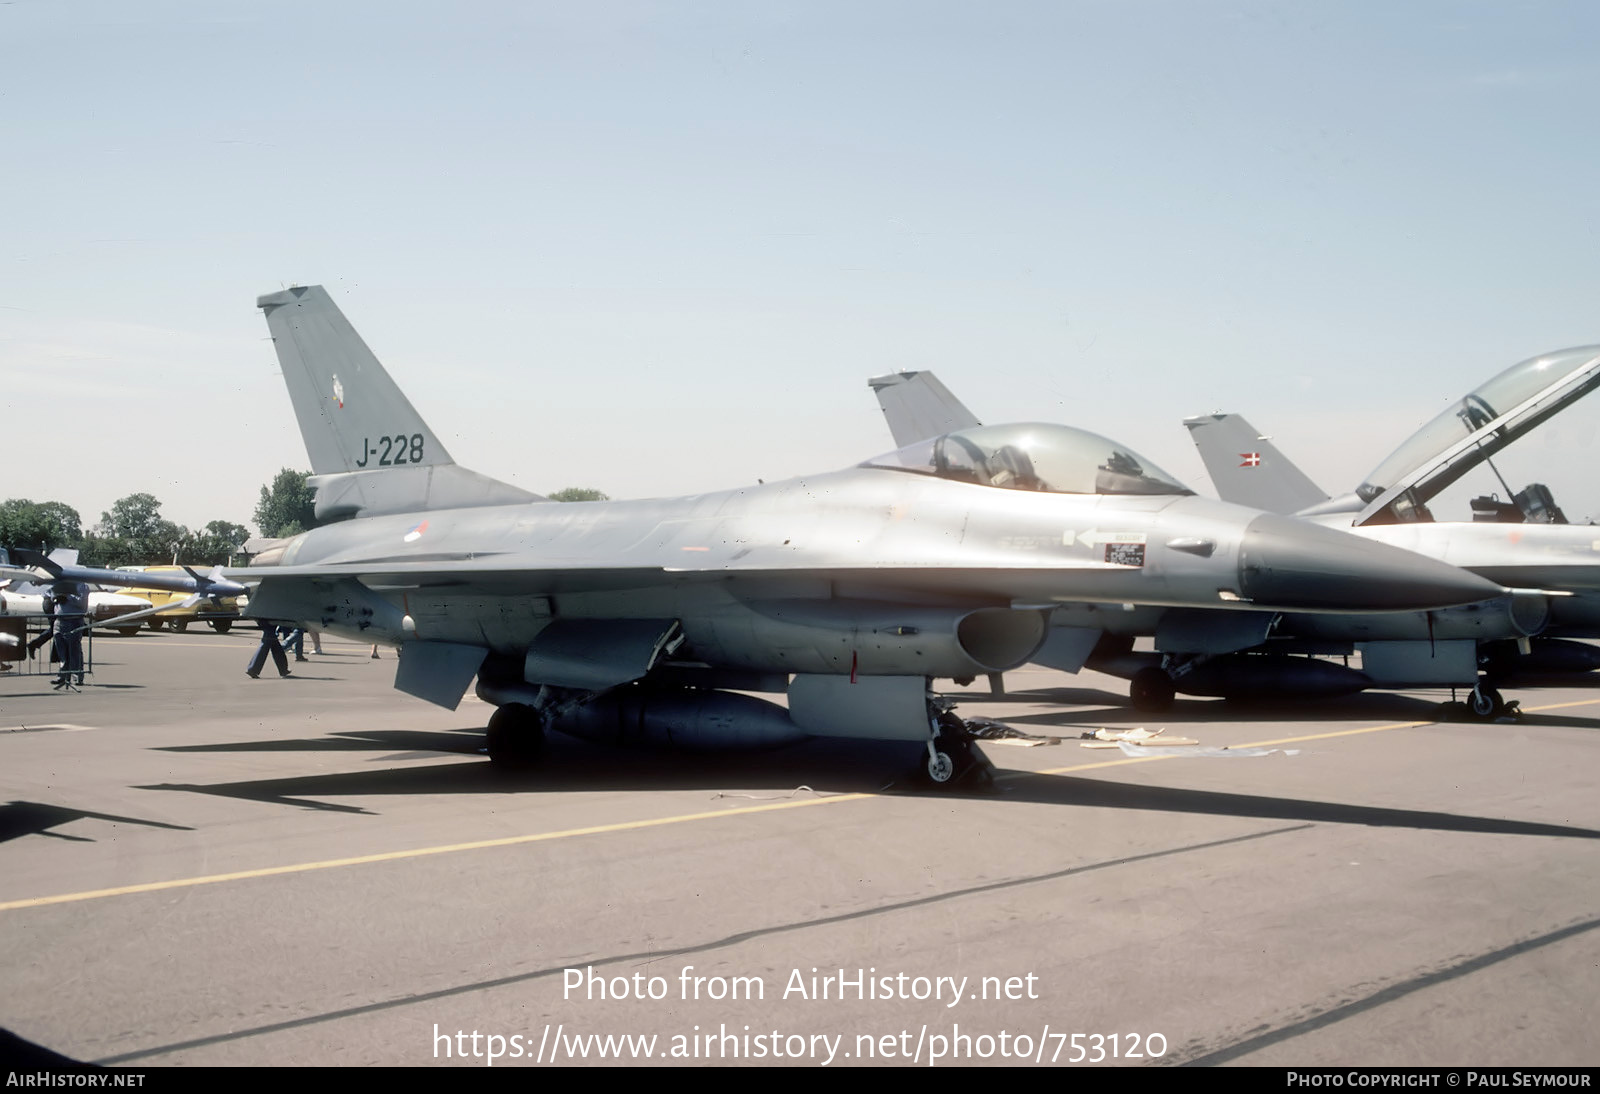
x=134, y=533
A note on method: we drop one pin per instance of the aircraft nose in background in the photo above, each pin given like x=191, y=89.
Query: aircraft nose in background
x=1291, y=563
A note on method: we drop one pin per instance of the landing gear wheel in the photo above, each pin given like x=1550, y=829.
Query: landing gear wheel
x=948, y=757
x=1151, y=690
x=515, y=736
x=1485, y=703
x=941, y=768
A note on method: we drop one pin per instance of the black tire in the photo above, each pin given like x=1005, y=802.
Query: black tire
x=515, y=737
x=940, y=768
x=1151, y=690
x=1485, y=704
x=221, y=625
x=127, y=632
x=180, y=625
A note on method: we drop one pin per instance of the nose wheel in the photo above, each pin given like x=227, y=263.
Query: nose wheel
x=950, y=756
x=1485, y=703
x=941, y=768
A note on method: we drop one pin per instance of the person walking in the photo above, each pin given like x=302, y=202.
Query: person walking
x=294, y=641
x=269, y=644
x=69, y=616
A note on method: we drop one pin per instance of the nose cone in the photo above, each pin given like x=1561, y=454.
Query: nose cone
x=1288, y=563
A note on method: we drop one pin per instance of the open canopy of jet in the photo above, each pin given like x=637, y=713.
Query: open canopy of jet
x=1473, y=429
x=849, y=590
x=1469, y=432
x=1523, y=542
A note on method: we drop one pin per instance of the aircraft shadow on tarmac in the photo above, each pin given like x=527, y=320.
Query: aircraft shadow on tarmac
x=37, y=818
x=47, y=692
x=420, y=743
x=1103, y=794
x=826, y=767
x=568, y=765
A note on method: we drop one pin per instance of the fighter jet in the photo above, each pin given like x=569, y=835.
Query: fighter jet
x=1275, y=655
x=848, y=592
x=1523, y=540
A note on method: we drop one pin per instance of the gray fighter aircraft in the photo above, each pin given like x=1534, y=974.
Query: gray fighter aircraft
x=1523, y=541
x=848, y=591
x=1273, y=654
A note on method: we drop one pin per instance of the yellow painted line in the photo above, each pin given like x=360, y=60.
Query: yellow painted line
x=628, y=826
x=419, y=852
x=1559, y=706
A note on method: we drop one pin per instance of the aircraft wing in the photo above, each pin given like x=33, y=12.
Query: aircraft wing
x=1247, y=469
x=917, y=406
x=491, y=577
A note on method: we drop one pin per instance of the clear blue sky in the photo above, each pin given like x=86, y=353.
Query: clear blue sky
x=658, y=248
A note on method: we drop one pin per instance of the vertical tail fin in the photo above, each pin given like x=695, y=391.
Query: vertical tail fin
x=345, y=402
x=918, y=406
x=1246, y=469
x=371, y=452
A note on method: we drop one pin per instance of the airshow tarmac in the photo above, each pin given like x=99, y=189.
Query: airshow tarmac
x=198, y=868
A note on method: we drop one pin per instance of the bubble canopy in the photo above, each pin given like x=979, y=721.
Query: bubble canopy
x=1469, y=414
x=1056, y=459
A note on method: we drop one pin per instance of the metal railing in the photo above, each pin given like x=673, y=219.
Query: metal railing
x=29, y=647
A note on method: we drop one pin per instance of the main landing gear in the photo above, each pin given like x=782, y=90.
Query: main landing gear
x=515, y=737
x=1151, y=690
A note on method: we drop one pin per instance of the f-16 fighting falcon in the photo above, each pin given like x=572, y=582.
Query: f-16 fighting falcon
x=1521, y=540
x=1556, y=571
x=849, y=591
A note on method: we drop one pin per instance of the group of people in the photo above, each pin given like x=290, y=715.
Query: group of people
x=67, y=609
x=278, y=640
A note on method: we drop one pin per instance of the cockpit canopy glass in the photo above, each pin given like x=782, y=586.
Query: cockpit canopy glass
x=1503, y=393
x=1056, y=459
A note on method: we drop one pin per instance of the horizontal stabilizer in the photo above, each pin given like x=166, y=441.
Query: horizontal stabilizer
x=410, y=490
